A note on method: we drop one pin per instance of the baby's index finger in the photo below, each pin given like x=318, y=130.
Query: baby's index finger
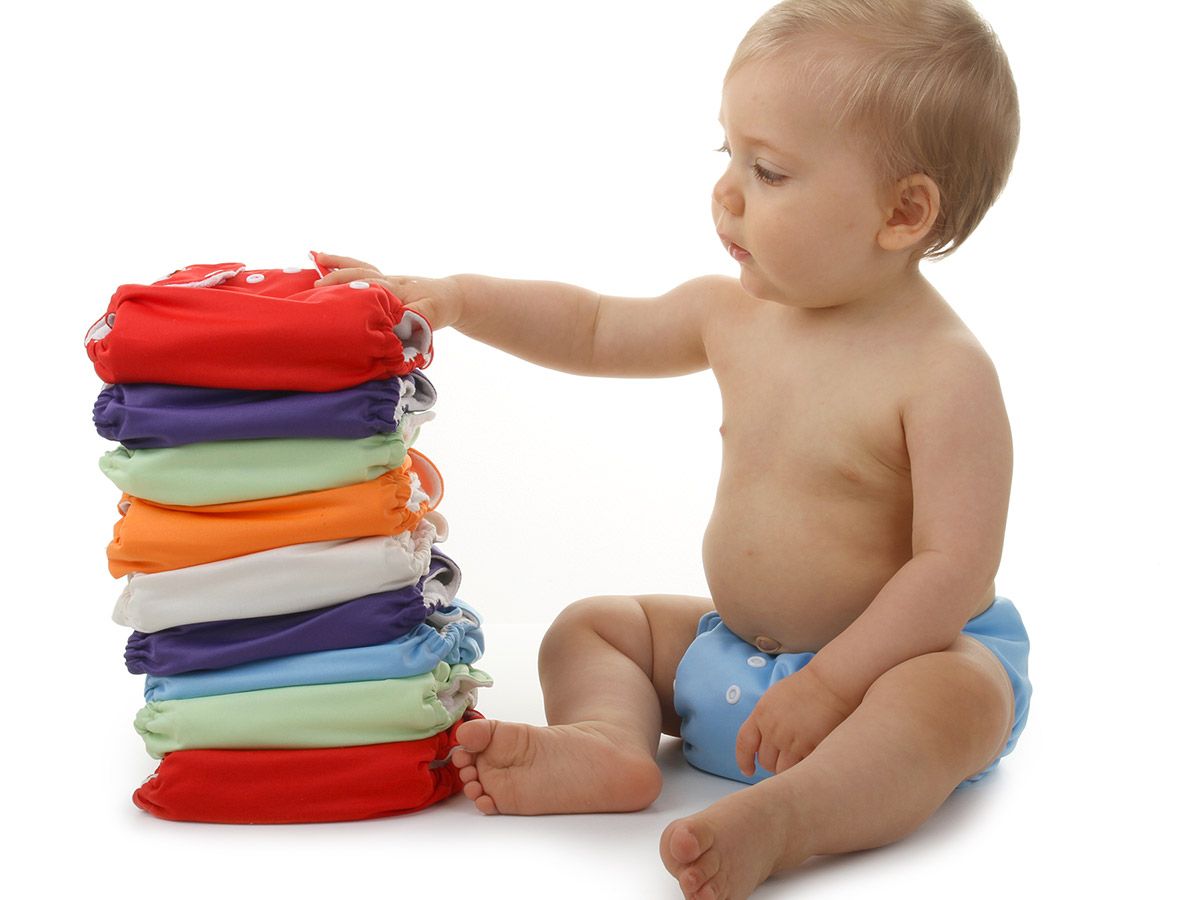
x=746, y=746
x=335, y=276
x=342, y=262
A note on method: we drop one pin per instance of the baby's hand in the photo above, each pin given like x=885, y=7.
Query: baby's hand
x=439, y=300
x=788, y=722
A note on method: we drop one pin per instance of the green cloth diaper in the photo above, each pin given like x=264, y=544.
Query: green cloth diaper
x=317, y=715
x=232, y=471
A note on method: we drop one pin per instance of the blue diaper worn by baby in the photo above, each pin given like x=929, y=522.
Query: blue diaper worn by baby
x=721, y=677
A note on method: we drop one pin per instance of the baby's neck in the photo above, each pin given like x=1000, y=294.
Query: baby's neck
x=898, y=299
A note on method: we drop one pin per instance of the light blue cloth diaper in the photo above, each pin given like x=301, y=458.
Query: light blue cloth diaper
x=450, y=635
x=721, y=677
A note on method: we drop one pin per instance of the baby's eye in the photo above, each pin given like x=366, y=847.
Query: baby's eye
x=760, y=173
x=765, y=175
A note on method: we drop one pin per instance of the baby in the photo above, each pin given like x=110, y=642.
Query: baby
x=854, y=664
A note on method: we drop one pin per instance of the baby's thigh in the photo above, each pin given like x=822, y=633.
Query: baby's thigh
x=673, y=619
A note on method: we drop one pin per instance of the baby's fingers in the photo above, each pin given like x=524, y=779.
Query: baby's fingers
x=344, y=268
x=748, y=739
x=341, y=276
x=329, y=261
x=786, y=760
x=768, y=756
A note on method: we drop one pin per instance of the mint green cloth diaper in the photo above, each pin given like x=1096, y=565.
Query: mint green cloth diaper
x=318, y=715
x=232, y=471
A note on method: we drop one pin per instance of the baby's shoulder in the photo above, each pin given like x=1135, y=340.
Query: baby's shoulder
x=951, y=370
x=949, y=344
x=951, y=347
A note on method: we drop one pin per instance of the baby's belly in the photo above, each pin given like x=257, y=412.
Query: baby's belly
x=800, y=569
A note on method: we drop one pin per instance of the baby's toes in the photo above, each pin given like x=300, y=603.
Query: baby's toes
x=687, y=839
x=699, y=874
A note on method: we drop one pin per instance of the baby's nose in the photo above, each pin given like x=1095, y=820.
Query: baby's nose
x=726, y=198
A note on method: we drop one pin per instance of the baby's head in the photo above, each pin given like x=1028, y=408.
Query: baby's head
x=919, y=92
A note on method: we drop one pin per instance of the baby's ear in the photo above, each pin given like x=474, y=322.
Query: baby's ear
x=911, y=212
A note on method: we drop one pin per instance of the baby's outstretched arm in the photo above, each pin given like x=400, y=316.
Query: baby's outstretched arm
x=574, y=330
x=561, y=326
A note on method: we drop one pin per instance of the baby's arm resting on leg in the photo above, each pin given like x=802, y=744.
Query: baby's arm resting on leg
x=790, y=719
x=960, y=451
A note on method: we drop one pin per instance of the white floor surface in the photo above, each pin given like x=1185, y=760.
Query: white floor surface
x=1031, y=827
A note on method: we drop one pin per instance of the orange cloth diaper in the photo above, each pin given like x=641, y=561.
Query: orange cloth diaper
x=157, y=537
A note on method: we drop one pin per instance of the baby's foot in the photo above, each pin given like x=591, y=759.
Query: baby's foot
x=723, y=852
x=526, y=770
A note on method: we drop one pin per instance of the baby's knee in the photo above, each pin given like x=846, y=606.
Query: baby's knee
x=595, y=614
x=617, y=620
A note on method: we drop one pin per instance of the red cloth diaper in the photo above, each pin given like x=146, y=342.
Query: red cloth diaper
x=225, y=326
x=275, y=787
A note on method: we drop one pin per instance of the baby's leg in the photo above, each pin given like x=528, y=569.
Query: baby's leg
x=922, y=728
x=606, y=666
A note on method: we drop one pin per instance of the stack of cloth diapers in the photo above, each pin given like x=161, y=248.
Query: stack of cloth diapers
x=306, y=655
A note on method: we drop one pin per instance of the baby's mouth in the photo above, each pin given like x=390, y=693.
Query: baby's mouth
x=737, y=251
x=741, y=254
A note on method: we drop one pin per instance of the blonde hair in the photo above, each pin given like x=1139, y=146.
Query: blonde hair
x=926, y=83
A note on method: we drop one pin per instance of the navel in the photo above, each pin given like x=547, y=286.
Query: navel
x=766, y=644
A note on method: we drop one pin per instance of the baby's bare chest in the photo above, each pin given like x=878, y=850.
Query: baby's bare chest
x=815, y=492
x=822, y=421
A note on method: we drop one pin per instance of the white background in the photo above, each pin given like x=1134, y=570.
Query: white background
x=574, y=142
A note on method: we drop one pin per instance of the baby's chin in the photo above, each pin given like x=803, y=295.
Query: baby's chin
x=760, y=288
x=794, y=296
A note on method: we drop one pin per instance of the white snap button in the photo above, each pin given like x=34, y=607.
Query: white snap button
x=734, y=694
x=757, y=661
x=255, y=278
x=359, y=285
x=291, y=270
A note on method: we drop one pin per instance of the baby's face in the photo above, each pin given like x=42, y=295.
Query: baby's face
x=800, y=198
